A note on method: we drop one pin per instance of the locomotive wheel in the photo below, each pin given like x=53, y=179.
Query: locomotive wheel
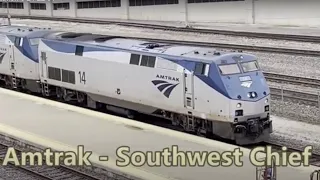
x=59, y=94
x=130, y=114
x=8, y=82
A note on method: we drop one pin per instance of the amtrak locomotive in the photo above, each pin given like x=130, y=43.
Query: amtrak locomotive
x=203, y=90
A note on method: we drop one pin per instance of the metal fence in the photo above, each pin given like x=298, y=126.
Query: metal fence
x=287, y=93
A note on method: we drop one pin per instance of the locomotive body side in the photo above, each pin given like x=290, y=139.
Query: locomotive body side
x=190, y=92
x=19, y=57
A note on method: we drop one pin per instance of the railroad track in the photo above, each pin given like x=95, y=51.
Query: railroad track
x=294, y=80
x=305, y=98
x=310, y=99
x=45, y=172
x=236, y=47
x=299, y=38
x=273, y=77
x=277, y=93
x=193, y=43
x=280, y=93
x=314, y=159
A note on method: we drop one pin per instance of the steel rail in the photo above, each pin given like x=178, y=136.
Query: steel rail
x=294, y=80
x=269, y=76
x=194, y=43
x=305, y=98
x=235, y=47
x=276, y=36
x=311, y=99
x=277, y=147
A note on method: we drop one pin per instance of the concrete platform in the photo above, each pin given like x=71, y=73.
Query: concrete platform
x=57, y=125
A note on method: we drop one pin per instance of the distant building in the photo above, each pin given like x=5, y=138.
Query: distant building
x=280, y=12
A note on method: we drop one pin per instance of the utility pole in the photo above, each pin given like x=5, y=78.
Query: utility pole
x=8, y=14
x=186, y=14
x=253, y=12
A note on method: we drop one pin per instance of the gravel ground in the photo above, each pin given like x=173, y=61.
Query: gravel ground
x=276, y=63
x=149, y=33
x=296, y=112
x=292, y=87
x=90, y=170
x=303, y=66
x=11, y=173
x=295, y=134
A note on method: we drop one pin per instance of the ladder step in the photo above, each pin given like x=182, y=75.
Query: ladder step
x=45, y=88
x=190, y=119
x=14, y=82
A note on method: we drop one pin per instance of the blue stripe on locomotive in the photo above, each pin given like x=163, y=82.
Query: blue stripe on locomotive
x=213, y=79
x=26, y=49
x=229, y=86
x=70, y=48
x=234, y=88
x=31, y=52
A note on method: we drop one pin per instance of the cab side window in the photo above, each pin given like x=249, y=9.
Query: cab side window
x=143, y=60
x=201, y=69
x=18, y=41
x=79, y=50
x=135, y=59
x=148, y=61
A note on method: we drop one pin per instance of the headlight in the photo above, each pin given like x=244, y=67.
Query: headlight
x=239, y=105
x=239, y=112
x=252, y=94
x=266, y=101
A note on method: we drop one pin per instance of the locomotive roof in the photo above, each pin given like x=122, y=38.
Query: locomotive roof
x=23, y=31
x=88, y=39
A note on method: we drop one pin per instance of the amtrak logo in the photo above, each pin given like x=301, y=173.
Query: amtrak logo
x=167, y=77
x=164, y=87
x=1, y=57
x=246, y=84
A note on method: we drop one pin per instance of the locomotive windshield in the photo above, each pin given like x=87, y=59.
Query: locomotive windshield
x=229, y=69
x=250, y=66
x=34, y=41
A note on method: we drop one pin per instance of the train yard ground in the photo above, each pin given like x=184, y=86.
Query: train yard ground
x=288, y=133
x=64, y=127
x=295, y=33
x=279, y=61
x=290, y=70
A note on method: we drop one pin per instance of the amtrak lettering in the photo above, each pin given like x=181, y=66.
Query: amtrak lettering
x=168, y=78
